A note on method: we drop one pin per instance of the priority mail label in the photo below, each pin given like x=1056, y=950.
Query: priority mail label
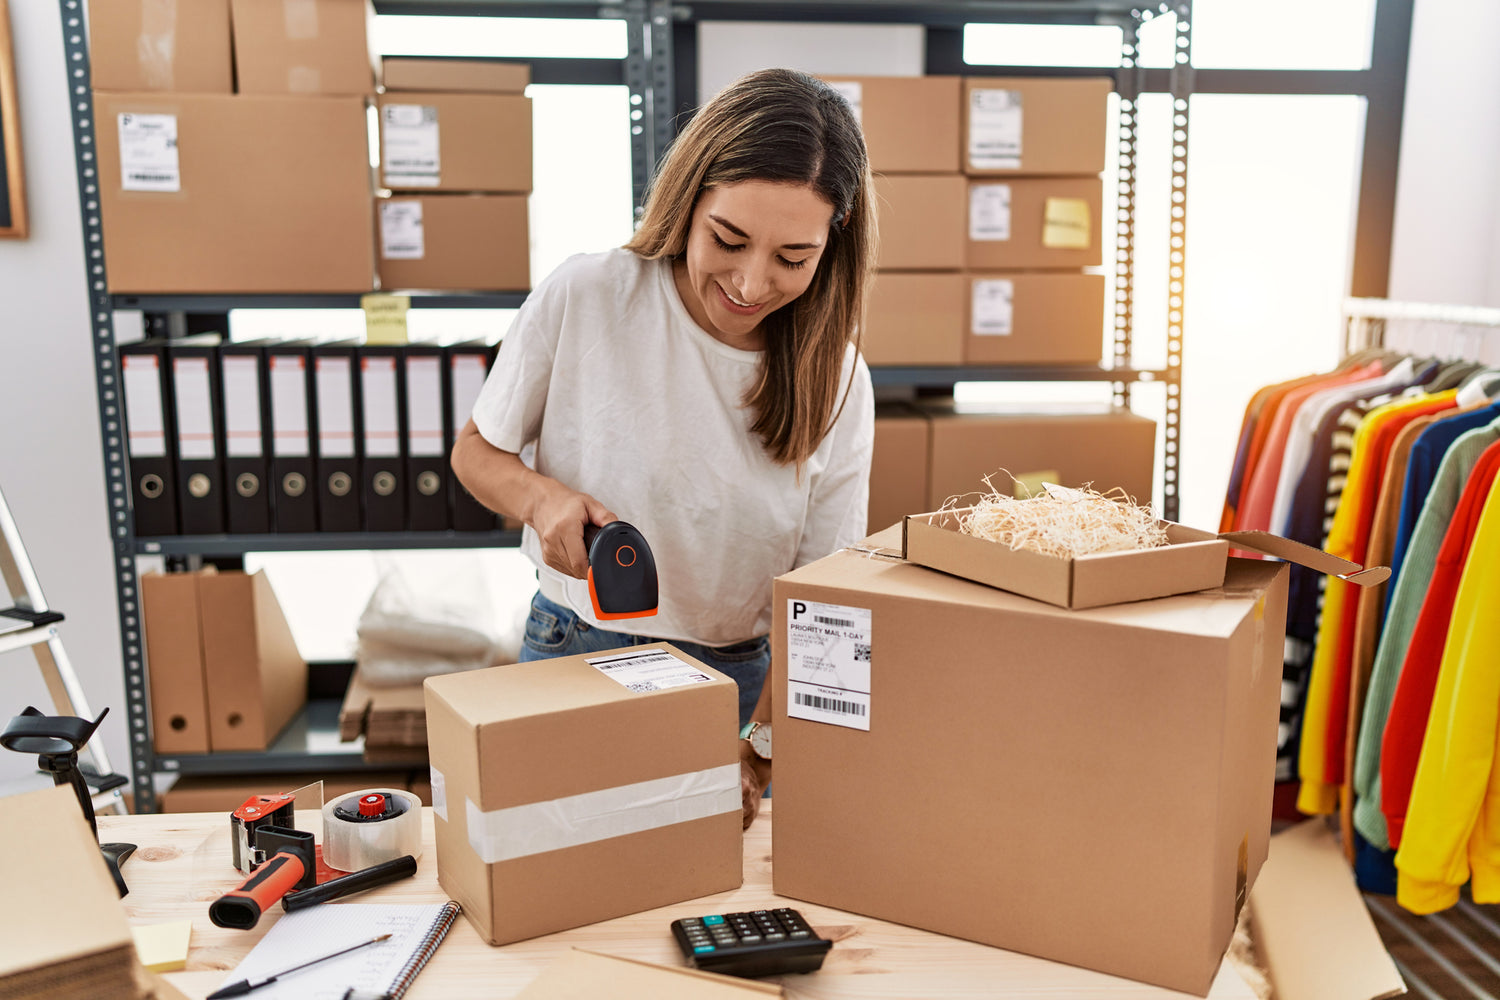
x=995, y=129
x=828, y=663
x=989, y=212
x=992, y=311
x=411, y=145
x=148, y=153
x=401, y=234
x=652, y=670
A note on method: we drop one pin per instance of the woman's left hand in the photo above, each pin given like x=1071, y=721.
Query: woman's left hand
x=755, y=775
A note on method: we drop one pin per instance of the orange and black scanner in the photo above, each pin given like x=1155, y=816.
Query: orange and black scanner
x=622, y=572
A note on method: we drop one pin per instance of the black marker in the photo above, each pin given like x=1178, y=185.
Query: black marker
x=347, y=885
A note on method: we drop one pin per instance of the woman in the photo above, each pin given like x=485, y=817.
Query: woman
x=702, y=383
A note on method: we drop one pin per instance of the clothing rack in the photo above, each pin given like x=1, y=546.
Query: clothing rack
x=1447, y=331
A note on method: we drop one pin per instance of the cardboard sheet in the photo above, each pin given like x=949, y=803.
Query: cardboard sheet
x=585, y=975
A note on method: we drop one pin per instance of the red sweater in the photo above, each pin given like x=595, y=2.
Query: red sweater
x=1401, y=747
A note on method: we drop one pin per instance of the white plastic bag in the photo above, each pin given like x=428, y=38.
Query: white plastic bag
x=418, y=624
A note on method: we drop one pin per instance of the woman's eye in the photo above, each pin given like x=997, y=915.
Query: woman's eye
x=792, y=264
x=726, y=246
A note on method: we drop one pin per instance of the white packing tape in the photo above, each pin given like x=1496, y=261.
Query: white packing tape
x=439, y=794
x=350, y=846
x=520, y=831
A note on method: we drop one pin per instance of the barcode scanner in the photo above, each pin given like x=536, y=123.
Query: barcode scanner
x=622, y=572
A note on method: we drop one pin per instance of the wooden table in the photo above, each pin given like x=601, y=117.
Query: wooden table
x=182, y=862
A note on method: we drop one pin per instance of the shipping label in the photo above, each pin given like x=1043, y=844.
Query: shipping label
x=989, y=212
x=651, y=670
x=411, y=148
x=828, y=663
x=148, y=153
x=992, y=311
x=401, y=230
x=995, y=129
x=854, y=92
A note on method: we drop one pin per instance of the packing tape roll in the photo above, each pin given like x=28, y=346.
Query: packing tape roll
x=359, y=831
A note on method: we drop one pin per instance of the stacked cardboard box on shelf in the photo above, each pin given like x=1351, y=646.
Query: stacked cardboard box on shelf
x=456, y=152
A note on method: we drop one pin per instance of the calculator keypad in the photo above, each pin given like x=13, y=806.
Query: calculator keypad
x=752, y=943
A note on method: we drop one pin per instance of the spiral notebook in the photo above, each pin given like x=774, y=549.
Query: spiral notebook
x=380, y=972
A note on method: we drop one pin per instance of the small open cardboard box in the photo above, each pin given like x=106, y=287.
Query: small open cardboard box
x=1194, y=560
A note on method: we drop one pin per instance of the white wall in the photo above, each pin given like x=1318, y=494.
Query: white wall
x=51, y=467
x=728, y=50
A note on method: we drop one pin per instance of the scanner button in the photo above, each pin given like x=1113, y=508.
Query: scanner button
x=625, y=556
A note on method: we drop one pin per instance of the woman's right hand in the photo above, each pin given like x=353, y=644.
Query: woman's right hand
x=559, y=517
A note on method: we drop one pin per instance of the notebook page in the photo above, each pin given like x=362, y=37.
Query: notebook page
x=319, y=930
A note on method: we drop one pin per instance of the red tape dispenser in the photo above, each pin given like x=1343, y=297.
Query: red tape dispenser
x=278, y=859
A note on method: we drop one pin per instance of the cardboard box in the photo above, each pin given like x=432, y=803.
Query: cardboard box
x=303, y=46
x=256, y=679
x=225, y=793
x=174, y=662
x=898, y=466
x=1094, y=786
x=1030, y=319
x=455, y=142
x=914, y=318
x=255, y=194
x=484, y=76
x=454, y=242
x=910, y=123
x=562, y=797
x=921, y=219
x=1105, y=450
x=1034, y=223
x=1035, y=125
x=149, y=45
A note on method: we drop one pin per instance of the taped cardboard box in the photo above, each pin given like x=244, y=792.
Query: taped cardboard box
x=898, y=466
x=921, y=221
x=1031, y=319
x=572, y=790
x=1106, y=450
x=476, y=242
x=256, y=679
x=910, y=123
x=914, y=318
x=1095, y=786
x=455, y=142
x=1034, y=223
x=174, y=662
x=150, y=45
x=288, y=177
x=1034, y=125
x=303, y=46
x=484, y=76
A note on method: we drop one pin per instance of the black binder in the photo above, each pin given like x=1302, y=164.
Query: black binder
x=294, y=500
x=247, y=438
x=148, y=425
x=383, y=433
x=426, y=459
x=338, y=476
x=464, y=370
x=198, y=421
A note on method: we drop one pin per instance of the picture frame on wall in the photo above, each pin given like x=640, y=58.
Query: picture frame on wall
x=12, y=181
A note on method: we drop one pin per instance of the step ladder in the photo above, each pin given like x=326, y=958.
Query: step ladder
x=29, y=623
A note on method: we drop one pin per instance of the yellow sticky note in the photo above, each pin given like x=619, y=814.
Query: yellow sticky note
x=385, y=318
x=1029, y=484
x=1067, y=225
x=163, y=947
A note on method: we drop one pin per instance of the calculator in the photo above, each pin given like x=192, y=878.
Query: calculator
x=755, y=943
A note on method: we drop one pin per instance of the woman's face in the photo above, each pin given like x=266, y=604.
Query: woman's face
x=752, y=248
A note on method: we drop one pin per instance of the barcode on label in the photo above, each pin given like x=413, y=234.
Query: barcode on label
x=861, y=652
x=840, y=622
x=828, y=704
x=642, y=687
x=137, y=175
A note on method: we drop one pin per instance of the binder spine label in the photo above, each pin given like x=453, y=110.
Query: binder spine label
x=195, y=408
x=424, y=407
x=382, y=430
x=242, y=430
x=289, y=407
x=143, y=410
x=468, y=378
x=335, y=408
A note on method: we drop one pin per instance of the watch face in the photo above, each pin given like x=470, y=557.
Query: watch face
x=760, y=740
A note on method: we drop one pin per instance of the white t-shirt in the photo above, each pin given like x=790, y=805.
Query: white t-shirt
x=628, y=400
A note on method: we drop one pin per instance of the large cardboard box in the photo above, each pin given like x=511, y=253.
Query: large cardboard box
x=174, y=661
x=1103, y=450
x=1034, y=223
x=455, y=142
x=223, y=194
x=303, y=46
x=1092, y=787
x=898, y=466
x=566, y=792
x=1033, y=319
x=256, y=679
x=454, y=242
x=914, y=318
x=485, y=76
x=1034, y=125
x=150, y=45
x=921, y=218
x=910, y=123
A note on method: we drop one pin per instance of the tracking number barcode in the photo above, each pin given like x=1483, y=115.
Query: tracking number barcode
x=828, y=704
x=137, y=176
x=842, y=622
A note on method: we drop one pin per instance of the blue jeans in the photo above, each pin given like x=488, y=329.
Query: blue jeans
x=553, y=630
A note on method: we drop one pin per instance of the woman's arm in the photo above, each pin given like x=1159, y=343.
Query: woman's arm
x=502, y=482
x=755, y=773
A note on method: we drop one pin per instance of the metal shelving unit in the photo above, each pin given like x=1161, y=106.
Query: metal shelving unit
x=659, y=68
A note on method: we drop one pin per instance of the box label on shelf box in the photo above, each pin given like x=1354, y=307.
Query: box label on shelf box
x=828, y=663
x=148, y=153
x=401, y=230
x=853, y=92
x=411, y=147
x=989, y=212
x=992, y=307
x=242, y=433
x=995, y=129
x=653, y=670
x=1067, y=224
